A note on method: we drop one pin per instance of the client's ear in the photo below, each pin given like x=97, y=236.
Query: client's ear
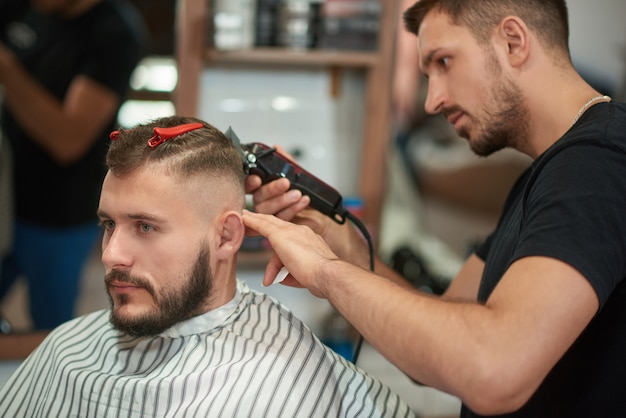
x=231, y=234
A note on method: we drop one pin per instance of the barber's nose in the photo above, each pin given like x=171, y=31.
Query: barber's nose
x=114, y=253
x=435, y=97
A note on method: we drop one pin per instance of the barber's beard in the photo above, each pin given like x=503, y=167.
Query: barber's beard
x=505, y=119
x=172, y=306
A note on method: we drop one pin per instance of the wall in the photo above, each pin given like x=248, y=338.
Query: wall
x=598, y=40
x=294, y=108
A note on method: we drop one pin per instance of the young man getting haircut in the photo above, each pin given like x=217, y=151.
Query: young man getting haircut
x=183, y=336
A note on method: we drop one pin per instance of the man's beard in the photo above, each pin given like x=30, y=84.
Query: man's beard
x=171, y=306
x=506, y=121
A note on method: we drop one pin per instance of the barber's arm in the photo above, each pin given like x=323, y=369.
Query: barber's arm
x=65, y=129
x=493, y=356
x=465, y=285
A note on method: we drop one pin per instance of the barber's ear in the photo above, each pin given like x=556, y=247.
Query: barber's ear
x=515, y=37
x=231, y=234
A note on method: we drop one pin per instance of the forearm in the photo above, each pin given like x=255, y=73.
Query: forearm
x=443, y=344
x=35, y=109
x=465, y=285
x=65, y=129
x=389, y=317
x=382, y=269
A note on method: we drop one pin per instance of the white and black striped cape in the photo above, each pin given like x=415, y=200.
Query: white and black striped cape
x=249, y=358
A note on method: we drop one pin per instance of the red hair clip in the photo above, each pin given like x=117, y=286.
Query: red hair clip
x=114, y=135
x=163, y=134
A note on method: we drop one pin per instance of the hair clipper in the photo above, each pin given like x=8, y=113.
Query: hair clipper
x=269, y=164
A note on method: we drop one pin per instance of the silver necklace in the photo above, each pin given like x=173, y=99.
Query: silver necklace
x=589, y=103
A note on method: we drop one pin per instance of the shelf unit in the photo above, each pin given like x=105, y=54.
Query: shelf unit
x=193, y=56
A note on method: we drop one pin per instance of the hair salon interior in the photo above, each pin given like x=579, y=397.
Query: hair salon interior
x=316, y=77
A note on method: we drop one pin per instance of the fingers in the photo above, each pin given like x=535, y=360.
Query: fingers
x=296, y=247
x=276, y=198
x=271, y=189
x=291, y=211
x=276, y=272
x=262, y=223
x=272, y=270
x=253, y=182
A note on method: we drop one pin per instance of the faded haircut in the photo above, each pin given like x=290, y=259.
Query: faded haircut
x=205, y=151
x=547, y=18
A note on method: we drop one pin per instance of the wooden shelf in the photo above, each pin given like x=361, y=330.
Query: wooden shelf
x=282, y=56
x=149, y=95
x=193, y=55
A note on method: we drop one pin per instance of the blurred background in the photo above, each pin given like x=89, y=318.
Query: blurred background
x=318, y=77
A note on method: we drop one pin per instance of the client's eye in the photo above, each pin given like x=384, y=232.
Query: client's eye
x=107, y=224
x=146, y=227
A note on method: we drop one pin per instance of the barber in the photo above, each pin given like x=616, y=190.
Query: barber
x=533, y=324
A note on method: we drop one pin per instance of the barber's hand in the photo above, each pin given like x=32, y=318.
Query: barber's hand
x=343, y=239
x=275, y=198
x=296, y=247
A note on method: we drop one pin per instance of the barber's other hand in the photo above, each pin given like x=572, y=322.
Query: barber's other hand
x=344, y=240
x=303, y=252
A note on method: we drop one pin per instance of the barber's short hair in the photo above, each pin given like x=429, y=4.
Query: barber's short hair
x=547, y=18
x=204, y=151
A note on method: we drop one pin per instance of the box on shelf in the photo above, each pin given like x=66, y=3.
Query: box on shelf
x=349, y=24
x=299, y=24
x=232, y=24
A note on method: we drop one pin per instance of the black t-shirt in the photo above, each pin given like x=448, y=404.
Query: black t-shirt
x=571, y=205
x=104, y=44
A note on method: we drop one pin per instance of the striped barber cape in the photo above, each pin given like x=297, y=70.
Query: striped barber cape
x=248, y=358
